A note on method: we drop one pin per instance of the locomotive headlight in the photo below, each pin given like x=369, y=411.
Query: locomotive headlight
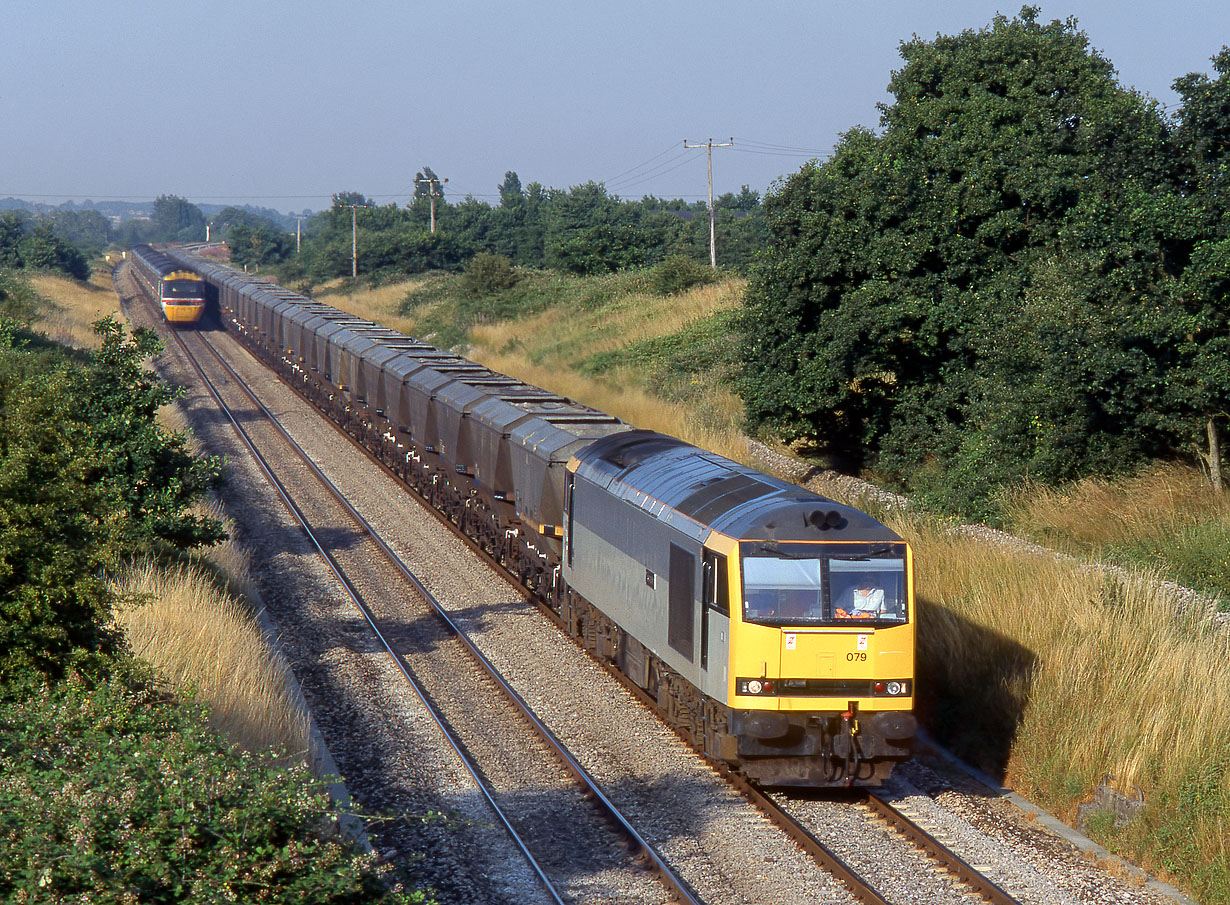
x=755, y=686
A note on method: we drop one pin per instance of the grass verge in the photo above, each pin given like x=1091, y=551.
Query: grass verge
x=1167, y=518
x=1057, y=675
x=200, y=638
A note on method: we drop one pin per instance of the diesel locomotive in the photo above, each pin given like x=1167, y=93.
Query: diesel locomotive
x=774, y=627
x=179, y=291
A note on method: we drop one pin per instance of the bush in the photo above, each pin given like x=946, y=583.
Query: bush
x=678, y=273
x=86, y=479
x=487, y=274
x=116, y=793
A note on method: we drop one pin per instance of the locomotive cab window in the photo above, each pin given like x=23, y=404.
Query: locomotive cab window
x=867, y=589
x=781, y=590
x=181, y=289
x=797, y=585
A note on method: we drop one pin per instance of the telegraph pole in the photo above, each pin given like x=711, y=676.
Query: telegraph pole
x=709, y=146
x=354, y=239
x=432, y=184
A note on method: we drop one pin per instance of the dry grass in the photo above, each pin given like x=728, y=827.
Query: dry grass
x=566, y=336
x=548, y=349
x=381, y=305
x=76, y=306
x=199, y=637
x=1096, y=513
x=713, y=426
x=1073, y=673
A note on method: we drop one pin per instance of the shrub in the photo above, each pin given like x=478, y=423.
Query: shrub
x=487, y=274
x=86, y=479
x=117, y=793
x=679, y=273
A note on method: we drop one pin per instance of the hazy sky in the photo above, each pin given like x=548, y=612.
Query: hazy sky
x=280, y=104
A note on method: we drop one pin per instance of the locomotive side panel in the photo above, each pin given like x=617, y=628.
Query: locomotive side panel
x=640, y=572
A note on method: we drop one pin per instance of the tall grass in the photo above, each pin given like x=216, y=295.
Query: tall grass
x=381, y=304
x=1166, y=517
x=1059, y=674
x=199, y=637
x=74, y=306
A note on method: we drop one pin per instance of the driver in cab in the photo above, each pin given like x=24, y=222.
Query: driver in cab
x=865, y=602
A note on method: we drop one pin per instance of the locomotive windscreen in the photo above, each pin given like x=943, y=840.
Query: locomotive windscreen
x=183, y=289
x=799, y=584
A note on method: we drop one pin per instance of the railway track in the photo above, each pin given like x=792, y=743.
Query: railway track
x=467, y=721
x=862, y=889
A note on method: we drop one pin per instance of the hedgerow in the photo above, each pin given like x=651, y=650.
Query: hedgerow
x=116, y=792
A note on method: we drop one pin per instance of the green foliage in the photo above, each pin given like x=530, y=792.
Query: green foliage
x=678, y=273
x=256, y=246
x=86, y=479
x=1176, y=824
x=582, y=231
x=986, y=291
x=487, y=274
x=1195, y=555
x=115, y=793
x=177, y=219
x=88, y=230
x=444, y=310
x=680, y=367
x=39, y=248
x=19, y=303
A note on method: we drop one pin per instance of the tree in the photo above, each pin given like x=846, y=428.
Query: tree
x=87, y=229
x=1202, y=140
x=39, y=248
x=900, y=270
x=178, y=219
x=427, y=184
x=510, y=190
x=349, y=199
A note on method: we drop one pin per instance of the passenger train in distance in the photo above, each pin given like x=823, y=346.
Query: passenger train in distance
x=773, y=627
x=179, y=292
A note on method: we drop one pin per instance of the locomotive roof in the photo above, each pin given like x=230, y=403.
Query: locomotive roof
x=698, y=491
x=161, y=263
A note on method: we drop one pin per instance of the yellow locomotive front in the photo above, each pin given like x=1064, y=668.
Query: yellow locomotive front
x=182, y=297
x=821, y=685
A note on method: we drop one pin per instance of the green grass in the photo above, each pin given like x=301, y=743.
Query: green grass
x=444, y=310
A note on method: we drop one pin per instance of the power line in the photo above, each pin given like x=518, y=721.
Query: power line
x=619, y=176
x=661, y=170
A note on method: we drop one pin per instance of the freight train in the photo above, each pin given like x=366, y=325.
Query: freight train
x=178, y=290
x=773, y=627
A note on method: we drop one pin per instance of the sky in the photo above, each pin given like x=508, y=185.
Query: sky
x=281, y=104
